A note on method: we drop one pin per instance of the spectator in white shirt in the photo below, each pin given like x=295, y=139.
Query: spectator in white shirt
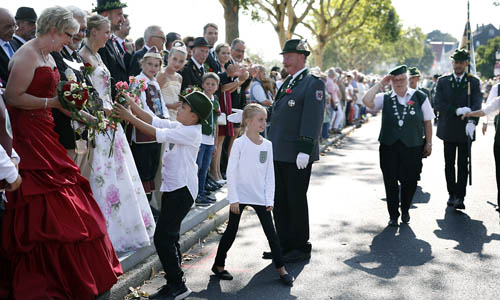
x=179, y=178
x=250, y=179
x=257, y=92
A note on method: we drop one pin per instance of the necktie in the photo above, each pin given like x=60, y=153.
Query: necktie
x=10, y=52
x=75, y=56
x=124, y=48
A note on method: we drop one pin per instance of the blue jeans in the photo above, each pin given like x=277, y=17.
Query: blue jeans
x=203, y=161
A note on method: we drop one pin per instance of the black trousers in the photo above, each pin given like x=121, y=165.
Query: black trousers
x=496, y=152
x=399, y=163
x=174, y=207
x=290, y=212
x=266, y=220
x=456, y=184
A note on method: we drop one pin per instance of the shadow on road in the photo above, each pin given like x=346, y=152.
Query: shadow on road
x=264, y=285
x=390, y=250
x=420, y=196
x=470, y=234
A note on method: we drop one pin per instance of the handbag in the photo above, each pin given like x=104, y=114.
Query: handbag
x=221, y=119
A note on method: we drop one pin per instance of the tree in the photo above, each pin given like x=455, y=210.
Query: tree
x=338, y=19
x=486, y=57
x=438, y=36
x=231, y=18
x=284, y=15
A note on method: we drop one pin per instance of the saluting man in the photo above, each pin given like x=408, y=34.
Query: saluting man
x=406, y=115
x=451, y=103
x=296, y=119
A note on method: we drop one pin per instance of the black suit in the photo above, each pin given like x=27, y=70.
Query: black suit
x=135, y=68
x=191, y=75
x=62, y=122
x=16, y=42
x=451, y=128
x=213, y=63
x=113, y=60
x=4, y=63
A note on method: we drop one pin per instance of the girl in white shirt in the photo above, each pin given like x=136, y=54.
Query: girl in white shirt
x=250, y=180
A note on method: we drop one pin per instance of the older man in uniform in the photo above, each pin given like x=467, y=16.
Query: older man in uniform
x=406, y=116
x=451, y=102
x=297, y=116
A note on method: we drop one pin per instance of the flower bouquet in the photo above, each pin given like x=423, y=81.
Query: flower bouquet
x=133, y=89
x=73, y=97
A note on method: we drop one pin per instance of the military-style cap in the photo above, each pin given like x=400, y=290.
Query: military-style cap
x=26, y=14
x=398, y=70
x=414, y=72
x=296, y=46
x=105, y=5
x=200, y=42
x=200, y=104
x=460, y=55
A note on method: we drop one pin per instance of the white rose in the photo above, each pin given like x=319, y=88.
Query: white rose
x=67, y=94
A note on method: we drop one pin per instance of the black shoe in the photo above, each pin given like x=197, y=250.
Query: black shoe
x=177, y=291
x=405, y=218
x=267, y=255
x=459, y=204
x=202, y=202
x=224, y=275
x=211, y=198
x=287, y=279
x=210, y=188
x=296, y=256
x=393, y=223
x=451, y=201
x=162, y=292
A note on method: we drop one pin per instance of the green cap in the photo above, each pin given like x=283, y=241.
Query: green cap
x=296, y=46
x=200, y=104
x=460, y=55
x=105, y=5
x=398, y=70
x=414, y=72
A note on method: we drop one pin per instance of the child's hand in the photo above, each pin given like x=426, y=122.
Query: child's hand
x=127, y=97
x=15, y=185
x=235, y=208
x=15, y=162
x=269, y=208
x=121, y=112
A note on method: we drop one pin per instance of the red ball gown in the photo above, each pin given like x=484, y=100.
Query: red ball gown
x=54, y=243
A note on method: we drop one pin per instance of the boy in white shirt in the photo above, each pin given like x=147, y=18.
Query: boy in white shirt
x=179, y=179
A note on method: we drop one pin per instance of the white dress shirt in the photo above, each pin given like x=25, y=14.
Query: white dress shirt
x=179, y=167
x=492, y=106
x=491, y=97
x=250, y=172
x=426, y=106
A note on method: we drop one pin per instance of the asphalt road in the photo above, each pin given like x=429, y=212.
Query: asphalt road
x=441, y=254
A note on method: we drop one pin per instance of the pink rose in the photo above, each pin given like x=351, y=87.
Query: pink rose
x=146, y=219
x=131, y=79
x=112, y=195
x=125, y=85
x=119, y=85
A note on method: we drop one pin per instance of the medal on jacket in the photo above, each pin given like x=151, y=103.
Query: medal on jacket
x=401, y=119
x=291, y=103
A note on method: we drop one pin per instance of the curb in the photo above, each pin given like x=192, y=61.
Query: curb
x=330, y=141
x=151, y=265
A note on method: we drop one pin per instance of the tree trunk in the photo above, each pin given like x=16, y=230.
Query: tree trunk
x=319, y=51
x=231, y=10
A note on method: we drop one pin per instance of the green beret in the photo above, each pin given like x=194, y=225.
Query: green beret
x=296, y=46
x=460, y=55
x=414, y=72
x=398, y=70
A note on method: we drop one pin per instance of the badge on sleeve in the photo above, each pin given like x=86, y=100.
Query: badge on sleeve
x=319, y=95
x=263, y=156
x=291, y=103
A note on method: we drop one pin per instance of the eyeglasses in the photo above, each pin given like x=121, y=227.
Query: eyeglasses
x=160, y=37
x=11, y=26
x=69, y=35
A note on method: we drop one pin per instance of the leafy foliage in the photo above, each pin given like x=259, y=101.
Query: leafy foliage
x=438, y=36
x=486, y=57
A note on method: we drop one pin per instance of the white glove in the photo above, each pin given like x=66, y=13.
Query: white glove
x=470, y=128
x=463, y=110
x=302, y=160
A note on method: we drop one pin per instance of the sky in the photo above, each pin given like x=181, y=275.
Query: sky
x=188, y=17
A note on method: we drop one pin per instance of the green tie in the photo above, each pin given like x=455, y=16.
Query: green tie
x=284, y=87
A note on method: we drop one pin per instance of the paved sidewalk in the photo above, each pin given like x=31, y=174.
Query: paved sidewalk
x=142, y=265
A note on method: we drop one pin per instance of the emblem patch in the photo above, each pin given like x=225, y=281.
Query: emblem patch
x=291, y=103
x=171, y=146
x=263, y=156
x=319, y=95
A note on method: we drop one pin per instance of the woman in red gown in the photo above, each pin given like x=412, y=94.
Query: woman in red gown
x=54, y=243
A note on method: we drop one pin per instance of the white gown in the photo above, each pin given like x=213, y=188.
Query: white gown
x=116, y=184
x=171, y=91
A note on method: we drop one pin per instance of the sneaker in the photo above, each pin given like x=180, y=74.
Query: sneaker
x=177, y=291
x=202, y=202
x=162, y=292
x=211, y=199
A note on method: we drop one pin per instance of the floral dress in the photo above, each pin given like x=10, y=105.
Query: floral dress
x=116, y=183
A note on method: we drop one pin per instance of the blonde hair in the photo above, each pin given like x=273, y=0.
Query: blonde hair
x=95, y=22
x=250, y=111
x=56, y=17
